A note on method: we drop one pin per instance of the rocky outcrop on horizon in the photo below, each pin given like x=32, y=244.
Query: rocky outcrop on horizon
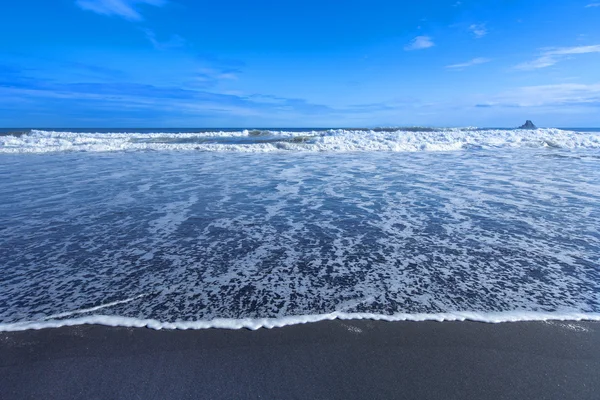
x=528, y=125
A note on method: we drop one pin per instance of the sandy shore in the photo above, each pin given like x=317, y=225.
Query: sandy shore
x=325, y=360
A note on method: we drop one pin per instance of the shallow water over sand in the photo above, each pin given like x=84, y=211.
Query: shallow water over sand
x=194, y=236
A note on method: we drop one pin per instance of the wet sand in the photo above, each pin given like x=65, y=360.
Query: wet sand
x=324, y=360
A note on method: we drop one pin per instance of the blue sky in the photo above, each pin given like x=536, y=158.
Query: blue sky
x=184, y=63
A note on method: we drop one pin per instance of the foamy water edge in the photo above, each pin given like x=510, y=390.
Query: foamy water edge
x=269, y=323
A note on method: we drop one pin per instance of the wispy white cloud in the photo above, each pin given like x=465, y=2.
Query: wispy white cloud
x=121, y=8
x=593, y=5
x=475, y=61
x=208, y=77
x=174, y=41
x=420, y=42
x=174, y=101
x=550, y=57
x=548, y=95
x=479, y=30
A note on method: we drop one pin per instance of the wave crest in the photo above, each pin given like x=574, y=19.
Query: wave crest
x=334, y=140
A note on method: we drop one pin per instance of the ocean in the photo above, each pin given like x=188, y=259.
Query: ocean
x=230, y=228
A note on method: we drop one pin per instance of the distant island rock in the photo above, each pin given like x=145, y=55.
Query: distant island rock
x=528, y=125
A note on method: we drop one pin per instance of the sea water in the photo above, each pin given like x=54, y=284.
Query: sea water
x=250, y=228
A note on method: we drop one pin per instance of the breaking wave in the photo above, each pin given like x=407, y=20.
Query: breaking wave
x=333, y=140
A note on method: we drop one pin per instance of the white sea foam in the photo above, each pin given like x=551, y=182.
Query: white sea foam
x=91, y=309
x=335, y=140
x=248, y=240
x=269, y=323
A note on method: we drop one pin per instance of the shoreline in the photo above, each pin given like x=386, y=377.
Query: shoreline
x=271, y=323
x=326, y=360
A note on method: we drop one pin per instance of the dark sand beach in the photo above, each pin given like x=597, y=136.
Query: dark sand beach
x=325, y=360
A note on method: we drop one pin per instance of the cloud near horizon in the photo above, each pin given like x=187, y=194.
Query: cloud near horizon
x=564, y=94
x=120, y=96
x=419, y=43
x=553, y=56
x=121, y=8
